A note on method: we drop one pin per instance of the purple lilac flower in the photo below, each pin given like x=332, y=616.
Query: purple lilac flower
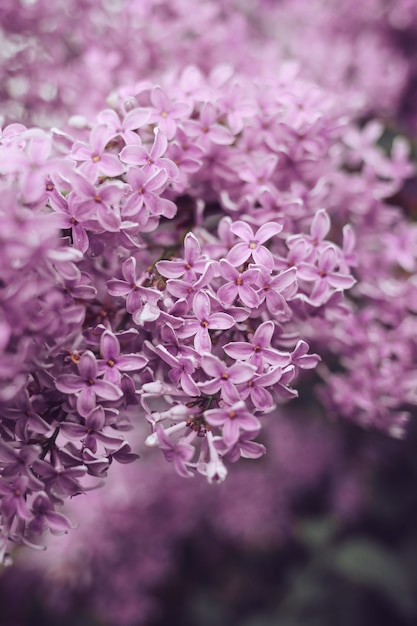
x=87, y=386
x=150, y=160
x=232, y=418
x=193, y=261
x=179, y=452
x=187, y=290
x=166, y=113
x=252, y=244
x=258, y=351
x=113, y=363
x=204, y=321
x=182, y=368
x=223, y=378
x=145, y=197
x=254, y=388
x=46, y=517
x=136, y=294
x=91, y=431
x=239, y=284
x=133, y=120
x=324, y=276
x=275, y=291
x=101, y=202
x=208, y=129
x=93, y=156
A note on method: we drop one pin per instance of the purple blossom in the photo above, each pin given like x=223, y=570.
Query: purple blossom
x=258, y=350
x=257, y=177
x=180, y=452
x=19, y=462
x=87, y=386
x=300, y=251
x=231, y=419
x=236, y=109
x=101, y=202
x=240, y=284
x=13, y=502
x=93, y=156
x=252, y=244
x=174, y=344
x=91, y=431
x=150, y=160
x=324, y=276
x=319, y=228
x=166, y=112
x=244, y=447
x=145, y=198
x=204, y=321
x=60, y=481
x=33, y=164
x=275, y=290
x=193, y=261
x=46, y=517
x=140, y=301
x=224, y=378
x=301, y=358
x=254, y=388
x=133, y=120
x=182, y=368
x=187, y=290
x=214, y=469
x=77, y=218
x=113, y=363
x=208, y=129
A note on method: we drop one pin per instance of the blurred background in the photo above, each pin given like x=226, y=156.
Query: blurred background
x=320, y=531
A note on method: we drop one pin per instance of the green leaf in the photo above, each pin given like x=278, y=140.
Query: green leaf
x=367, y=563
x=317, y=532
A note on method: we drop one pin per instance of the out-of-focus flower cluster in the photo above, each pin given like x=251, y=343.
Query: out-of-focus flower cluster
x=66, y=57
x=172, y=258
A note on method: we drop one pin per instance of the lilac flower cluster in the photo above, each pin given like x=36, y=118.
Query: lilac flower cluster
x=174, y=258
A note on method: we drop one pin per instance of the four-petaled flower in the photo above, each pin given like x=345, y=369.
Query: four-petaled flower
x=94, y=158
x=166, y=112
x=136, y=294
x=204, y=321
x=91, y=431
x=193, y=261
x=224, y=378
x=275, y=290
x=208, y=129
x=255, y=388
x=258, y=350
x=87, y=386
x=239, y=284
x=180, y=452
x=324, y=275
x=113, y=363
x=13, y=502
x=182, y=368
x=252, y=244
x=232, y=418
x=150, y=160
